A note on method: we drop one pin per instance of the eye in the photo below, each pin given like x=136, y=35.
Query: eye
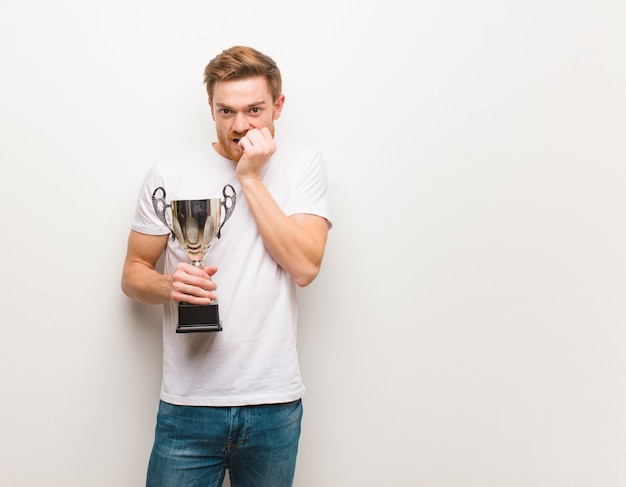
x=225, y=111
x=256, y=110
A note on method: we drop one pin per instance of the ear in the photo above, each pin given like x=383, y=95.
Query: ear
x=211, y=105
x=278, y=107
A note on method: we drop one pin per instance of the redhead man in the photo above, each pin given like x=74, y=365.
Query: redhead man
x=231, y=400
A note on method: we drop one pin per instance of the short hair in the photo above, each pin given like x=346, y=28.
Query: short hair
x=240, y=62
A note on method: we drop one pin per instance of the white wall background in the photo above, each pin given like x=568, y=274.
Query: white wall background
x=467, y=329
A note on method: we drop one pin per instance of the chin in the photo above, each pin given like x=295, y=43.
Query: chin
x=235, y=155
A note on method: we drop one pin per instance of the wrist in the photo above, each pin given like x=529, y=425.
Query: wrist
x=249, y=180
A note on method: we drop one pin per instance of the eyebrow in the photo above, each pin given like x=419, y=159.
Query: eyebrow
x=251, y=105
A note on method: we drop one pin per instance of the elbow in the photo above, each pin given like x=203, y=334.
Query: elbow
x=305, y=269
x=304, y=282
x=125, y=287
x=307, y=276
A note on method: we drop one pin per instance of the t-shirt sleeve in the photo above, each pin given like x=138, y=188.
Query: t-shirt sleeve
x=146, y=219
x=311, y=193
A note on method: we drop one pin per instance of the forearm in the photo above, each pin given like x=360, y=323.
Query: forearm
x=294, y=246
x=145, y=284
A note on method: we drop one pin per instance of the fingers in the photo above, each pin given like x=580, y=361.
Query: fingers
x=210, y=270
x=193, y=285
x=259, y=141
x=257, y=147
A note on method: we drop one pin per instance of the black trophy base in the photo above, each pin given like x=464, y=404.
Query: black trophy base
x=194, y=318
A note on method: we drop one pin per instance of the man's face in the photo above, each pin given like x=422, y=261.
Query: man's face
x=238, y=106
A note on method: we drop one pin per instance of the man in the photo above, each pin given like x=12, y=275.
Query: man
x=232, y=399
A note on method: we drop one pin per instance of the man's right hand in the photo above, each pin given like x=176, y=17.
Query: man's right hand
x=193, y=285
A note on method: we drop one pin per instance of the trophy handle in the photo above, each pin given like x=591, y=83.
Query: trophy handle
x=230, y=198
x=160, y=207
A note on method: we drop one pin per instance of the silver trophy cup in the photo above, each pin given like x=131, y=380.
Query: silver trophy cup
x=195, y=224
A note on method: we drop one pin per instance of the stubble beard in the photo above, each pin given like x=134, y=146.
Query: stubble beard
x=227, y=148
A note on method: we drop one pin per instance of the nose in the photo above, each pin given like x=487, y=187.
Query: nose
x=241, y=124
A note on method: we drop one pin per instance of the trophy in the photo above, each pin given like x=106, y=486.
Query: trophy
x=195, y=224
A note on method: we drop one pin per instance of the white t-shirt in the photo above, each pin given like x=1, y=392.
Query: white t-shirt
x=254, y=359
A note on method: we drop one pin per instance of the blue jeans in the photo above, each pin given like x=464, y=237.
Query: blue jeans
x=194, y=445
